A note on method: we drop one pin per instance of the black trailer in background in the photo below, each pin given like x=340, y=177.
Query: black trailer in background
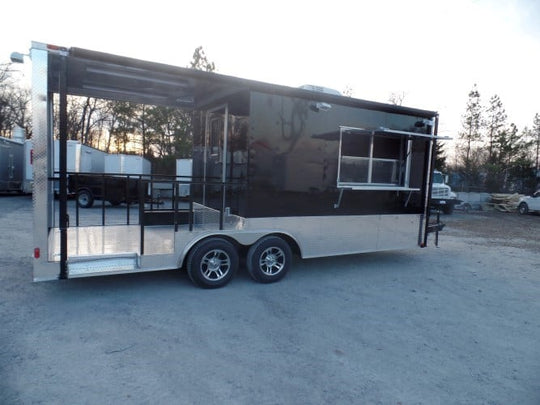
x=276, y=170
x=11, y=165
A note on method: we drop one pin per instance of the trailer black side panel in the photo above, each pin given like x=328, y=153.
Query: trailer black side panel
x=294, y=150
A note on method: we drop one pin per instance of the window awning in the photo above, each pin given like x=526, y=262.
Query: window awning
x=385, y=131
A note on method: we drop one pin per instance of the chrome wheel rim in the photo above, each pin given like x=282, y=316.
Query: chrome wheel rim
x=215, y=265
x=272, y=261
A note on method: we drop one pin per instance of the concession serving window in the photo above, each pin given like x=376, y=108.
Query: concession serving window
x=375, y=159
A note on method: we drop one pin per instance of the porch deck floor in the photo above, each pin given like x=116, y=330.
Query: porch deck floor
x=112, y=240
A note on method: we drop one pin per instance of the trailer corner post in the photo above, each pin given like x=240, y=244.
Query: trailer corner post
x=42, y=144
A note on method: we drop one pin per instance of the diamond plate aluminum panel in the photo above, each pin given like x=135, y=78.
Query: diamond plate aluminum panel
x=42, y=142
x=102, y=265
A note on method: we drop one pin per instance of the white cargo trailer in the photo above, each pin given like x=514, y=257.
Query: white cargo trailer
x=126, y=164
x=80, y=158
x=184, y=173
x=275, y=171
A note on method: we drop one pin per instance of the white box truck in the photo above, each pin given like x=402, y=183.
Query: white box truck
x=442, y=196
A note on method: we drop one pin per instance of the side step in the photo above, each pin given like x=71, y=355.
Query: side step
x=435, y=227
x=86, y=266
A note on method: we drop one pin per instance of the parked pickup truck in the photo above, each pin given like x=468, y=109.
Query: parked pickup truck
x=529, y=204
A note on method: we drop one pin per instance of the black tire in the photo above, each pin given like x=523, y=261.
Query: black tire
x=269, y=259
x=448, y=209
x=85, y=198
x=212, y=263
x=523, y=208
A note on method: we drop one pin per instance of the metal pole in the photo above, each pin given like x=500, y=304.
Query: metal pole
x=141, y=213
x=76, y=199
x=339, y=156
x=175, y=194
x=225, y=133
x=370, y=164
x=428, y=183
x=126, y=190
x=222, y=210
x=63, y=168
x=408, y=164
x=103, y=191
x=205, y=154
x=437, y=229
x=190, y=212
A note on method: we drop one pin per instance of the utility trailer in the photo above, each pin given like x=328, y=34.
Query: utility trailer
x=275, y=170
x=116, y=189
x=116, y=181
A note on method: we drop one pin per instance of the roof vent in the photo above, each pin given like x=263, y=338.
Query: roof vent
x=320, y=89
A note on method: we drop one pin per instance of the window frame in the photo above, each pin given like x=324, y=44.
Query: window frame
x=403, y=162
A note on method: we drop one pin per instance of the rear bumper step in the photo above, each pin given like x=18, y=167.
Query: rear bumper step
x=84, y=266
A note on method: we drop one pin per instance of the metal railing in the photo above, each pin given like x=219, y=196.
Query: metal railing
x=162, y=200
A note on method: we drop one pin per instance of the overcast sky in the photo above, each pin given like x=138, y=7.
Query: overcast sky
x=431, y=51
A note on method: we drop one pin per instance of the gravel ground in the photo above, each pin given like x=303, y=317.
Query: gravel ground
x=494, y=228
x=458, y=324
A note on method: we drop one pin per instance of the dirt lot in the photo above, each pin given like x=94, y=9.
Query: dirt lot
x=496, y=228
x=458, y=324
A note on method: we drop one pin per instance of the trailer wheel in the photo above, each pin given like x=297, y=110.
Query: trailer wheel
x=85, y=199
x=269, y=259
x=212, y=263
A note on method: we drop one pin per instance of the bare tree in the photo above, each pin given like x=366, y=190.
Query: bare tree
x=348, y=92
x=14, y=104
x=396, y=98
x=200, y=61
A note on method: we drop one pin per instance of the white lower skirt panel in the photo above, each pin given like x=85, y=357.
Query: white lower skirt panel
x=339, y=235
